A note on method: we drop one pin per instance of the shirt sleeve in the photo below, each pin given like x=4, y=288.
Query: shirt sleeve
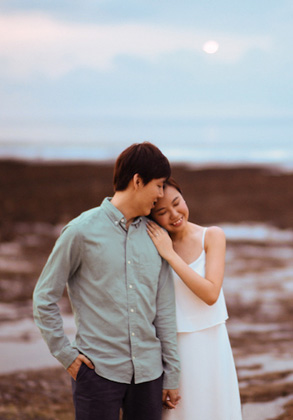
x=61, y=265
x=165, y=323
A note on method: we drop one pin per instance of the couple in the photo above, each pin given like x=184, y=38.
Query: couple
x=121, y=289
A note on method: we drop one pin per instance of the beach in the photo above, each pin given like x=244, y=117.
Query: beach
x=254, y=207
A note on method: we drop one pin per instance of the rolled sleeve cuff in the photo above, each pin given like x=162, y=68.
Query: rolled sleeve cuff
x=67, y=356
x=171, y=381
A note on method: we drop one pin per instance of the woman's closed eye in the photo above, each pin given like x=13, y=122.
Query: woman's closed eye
x=161, y=213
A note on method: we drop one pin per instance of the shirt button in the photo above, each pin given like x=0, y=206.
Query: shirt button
x=122, y=220
x=116, y=223
x=131, y=310
x=133, y=357
x=130, y=286
x=129, y=262
x=133, y=334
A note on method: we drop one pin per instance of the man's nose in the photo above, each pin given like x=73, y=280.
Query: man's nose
x=161, y=193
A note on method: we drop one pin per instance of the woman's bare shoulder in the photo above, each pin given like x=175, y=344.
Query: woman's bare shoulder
x=215, y=235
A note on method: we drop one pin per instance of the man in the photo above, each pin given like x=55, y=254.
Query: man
x=122, y=297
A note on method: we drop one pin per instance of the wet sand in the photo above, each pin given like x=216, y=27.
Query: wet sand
x=37, y=199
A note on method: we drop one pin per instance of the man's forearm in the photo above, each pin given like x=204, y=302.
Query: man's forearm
x=62, y=262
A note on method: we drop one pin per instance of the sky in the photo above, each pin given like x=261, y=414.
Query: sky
x=122, y=71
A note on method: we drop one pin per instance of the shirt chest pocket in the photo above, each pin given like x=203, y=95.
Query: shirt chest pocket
x=149, y=270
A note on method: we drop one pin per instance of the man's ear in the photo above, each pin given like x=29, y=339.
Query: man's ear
x=137, y=181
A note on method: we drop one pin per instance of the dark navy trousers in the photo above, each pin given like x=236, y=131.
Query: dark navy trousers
x=97, y=398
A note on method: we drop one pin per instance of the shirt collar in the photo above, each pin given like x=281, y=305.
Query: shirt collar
x=115, y=215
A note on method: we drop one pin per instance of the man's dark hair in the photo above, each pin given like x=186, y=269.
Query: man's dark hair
x=144, y=159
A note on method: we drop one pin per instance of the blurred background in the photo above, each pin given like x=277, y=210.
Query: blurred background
x=210, y=83
x=207, y=82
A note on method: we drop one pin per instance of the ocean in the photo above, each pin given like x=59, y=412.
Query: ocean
x=205, y=142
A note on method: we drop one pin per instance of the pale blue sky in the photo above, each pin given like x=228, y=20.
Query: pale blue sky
x=130, y=70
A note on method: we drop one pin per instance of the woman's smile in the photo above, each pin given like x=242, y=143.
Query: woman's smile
x=178, y=222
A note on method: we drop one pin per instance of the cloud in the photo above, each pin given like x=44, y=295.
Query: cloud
x=37, y=43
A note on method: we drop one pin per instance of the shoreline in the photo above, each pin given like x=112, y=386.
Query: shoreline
x=196, y=166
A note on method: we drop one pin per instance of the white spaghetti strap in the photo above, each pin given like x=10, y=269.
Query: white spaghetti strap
x=203, y=236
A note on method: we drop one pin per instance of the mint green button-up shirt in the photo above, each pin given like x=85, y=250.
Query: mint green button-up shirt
x=122, y=297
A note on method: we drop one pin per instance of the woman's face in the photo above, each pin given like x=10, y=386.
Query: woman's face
x=171, y=211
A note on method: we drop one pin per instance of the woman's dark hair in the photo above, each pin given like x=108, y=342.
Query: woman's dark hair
x=172, y=183
x=144, y=159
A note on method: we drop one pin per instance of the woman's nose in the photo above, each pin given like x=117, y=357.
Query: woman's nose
x=173, y=213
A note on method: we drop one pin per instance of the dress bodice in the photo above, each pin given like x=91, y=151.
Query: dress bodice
x=192, y=313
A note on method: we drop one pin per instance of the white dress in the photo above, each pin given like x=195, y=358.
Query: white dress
x=208, y=383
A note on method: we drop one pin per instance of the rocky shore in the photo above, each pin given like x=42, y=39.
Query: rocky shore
x=54, y=193
x=37, y=199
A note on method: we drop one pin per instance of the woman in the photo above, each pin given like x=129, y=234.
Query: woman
x=208, y=386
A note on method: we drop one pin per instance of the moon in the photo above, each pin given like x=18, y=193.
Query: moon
x=210, y=47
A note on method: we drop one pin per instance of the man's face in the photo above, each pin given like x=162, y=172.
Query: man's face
x=148, y=195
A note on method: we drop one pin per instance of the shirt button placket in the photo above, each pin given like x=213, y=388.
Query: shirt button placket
x=131, y=298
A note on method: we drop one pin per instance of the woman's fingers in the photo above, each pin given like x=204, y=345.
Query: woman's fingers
x=153, y=228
